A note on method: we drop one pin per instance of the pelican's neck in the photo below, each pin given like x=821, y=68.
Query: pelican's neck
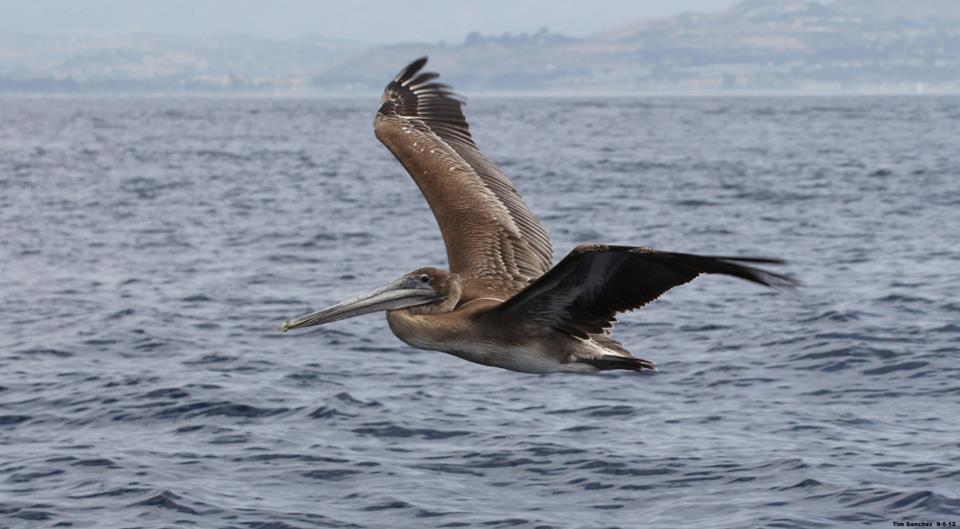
x=447, y=304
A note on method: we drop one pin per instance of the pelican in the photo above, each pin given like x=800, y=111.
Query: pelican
x=501, y=304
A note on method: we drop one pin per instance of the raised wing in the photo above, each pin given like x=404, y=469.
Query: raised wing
x=493, y=240
x=584, y=292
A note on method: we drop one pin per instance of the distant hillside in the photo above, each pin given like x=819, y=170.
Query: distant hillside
x=754, y=46
x=144, y=62
x=936, y=10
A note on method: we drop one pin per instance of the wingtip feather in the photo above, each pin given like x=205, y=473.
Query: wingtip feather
x=411, y=69
x=759, y=275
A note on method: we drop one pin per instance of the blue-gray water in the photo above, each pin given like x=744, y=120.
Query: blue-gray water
x=149, y=249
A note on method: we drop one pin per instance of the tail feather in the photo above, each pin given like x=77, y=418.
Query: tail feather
x=606, y=362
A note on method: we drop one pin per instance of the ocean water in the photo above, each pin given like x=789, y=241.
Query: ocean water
x=150, y=248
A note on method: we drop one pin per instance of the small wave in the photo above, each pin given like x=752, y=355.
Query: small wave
x=616, y=410
x=167, y=500
x=880, y=173
x=918, y=502
x=389, y=430
x=59, y=353
x=32, y=513
x=112, y=492
x=386, y=506
x=97, y=462
x=213, y=358
x=349, y=399
x=903, y=366
x=121, y=314
x=165, y=393
x=217, y=408
x=900, y=298
x=846, y=357
x=616, y=468
x=835, y=315
x=323, y=412
x=950, y=328
x=11, y=420
x=196, y=298
x=807, y=484
x=26, y=477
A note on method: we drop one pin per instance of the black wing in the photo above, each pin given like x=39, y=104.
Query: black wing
x=582, y=294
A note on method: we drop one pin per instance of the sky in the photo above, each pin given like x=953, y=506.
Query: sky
x=361, y=21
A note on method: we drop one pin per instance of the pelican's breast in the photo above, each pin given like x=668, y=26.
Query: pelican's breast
x=458, y=334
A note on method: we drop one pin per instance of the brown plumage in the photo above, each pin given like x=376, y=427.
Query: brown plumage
x=501, y=304
x=493, y=241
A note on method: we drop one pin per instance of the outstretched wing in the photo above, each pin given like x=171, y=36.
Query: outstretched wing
x=584, y=292
x=493, y=240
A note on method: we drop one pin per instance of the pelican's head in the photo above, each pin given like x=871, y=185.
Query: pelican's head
x=425, y=290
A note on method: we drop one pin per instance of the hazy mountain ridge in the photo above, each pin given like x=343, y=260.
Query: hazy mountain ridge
x=144, y=62
x=756, y=45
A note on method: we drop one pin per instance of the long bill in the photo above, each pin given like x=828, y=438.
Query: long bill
x=398, y=294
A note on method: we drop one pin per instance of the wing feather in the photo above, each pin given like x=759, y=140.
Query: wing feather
x=582, y=294
x=492, y=239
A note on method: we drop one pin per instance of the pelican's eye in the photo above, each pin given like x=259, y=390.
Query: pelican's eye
x=424, y=278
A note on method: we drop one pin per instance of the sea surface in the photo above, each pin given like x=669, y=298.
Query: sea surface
x=150, y=248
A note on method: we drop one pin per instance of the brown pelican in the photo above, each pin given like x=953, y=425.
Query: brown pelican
x=501, y=304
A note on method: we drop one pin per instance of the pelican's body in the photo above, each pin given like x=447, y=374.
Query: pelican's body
x=501, y=303
x=472, y=334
